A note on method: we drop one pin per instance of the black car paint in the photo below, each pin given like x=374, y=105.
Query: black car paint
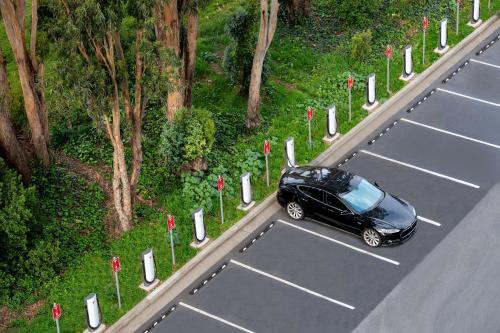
x=390, y=213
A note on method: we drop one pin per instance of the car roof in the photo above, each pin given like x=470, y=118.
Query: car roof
x=333, y=179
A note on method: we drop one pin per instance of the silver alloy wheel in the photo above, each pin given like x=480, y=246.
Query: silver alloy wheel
x=294, y=210
x=371, y=237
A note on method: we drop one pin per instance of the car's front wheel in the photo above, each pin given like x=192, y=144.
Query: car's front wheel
x=371, y=237
x=295, y=210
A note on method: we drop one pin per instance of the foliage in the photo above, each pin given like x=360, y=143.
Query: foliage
x=43, y=228
x=190, y=136
x=200, y=188
x=361, y=44
x=238, y=55
x=357, y=13
x=252, y=162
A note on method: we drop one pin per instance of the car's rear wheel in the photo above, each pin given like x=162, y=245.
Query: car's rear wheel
x=371, y=237
x=295, y=210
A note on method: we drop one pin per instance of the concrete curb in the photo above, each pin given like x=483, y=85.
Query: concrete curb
x=255, y=219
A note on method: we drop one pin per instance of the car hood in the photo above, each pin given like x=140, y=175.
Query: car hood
x=392, y=212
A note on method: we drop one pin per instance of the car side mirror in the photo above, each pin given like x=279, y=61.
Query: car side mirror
x=376, y=184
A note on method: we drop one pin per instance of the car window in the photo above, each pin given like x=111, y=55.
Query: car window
x=312, y=192
x=362, y=196
x=331, y=200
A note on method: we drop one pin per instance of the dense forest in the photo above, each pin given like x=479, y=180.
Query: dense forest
x=116, y=113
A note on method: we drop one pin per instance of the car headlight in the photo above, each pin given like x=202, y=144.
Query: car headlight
x=387, y=231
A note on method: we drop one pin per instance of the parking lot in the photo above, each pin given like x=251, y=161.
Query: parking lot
x=442, y=154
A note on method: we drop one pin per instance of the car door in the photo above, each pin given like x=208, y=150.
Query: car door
x=312, y=199
x=343, y=216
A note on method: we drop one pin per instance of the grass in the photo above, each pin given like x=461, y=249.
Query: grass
x=302, y=76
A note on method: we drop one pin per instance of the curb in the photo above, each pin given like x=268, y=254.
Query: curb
x=250, y=222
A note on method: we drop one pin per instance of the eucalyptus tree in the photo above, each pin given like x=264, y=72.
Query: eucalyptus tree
x=110, y=62
x=179, y=36
x=30, y=71
x=268, y=22
x=10, y=146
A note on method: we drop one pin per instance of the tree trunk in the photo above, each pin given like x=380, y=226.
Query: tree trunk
x=14, y=153
x=268, y=23
x=190, y=55
x=13, y=17
x=121, y=184
x=171, y=41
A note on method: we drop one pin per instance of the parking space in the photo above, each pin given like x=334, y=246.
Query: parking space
x=187, y=320
x=304, y=276
x=460, y=116
x=475, y=81
x=491, y=54
x=438, y=154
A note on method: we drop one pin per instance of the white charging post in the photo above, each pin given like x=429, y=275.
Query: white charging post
x=443, y=38
x=148, y=271
x=475, y=20
x=331, y=125
x=246, y=192
x=93, y=314
x=200, y=234
x=56, y=314
x=371, y=94
x=289, y=153
x=408, y=73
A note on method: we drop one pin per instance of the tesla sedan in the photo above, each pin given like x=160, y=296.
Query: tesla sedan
x=346, y=201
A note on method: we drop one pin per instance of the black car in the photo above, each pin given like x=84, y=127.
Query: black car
x=347, y=201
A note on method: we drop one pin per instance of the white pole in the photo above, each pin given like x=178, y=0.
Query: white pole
x=350, y=106
x=423, y=50
x=267, y=171
x=118, y=291
x=172, y=247
x=458, y=16
x=57, y=326
x=222, y=207
x=388, y=76
x=309, y=125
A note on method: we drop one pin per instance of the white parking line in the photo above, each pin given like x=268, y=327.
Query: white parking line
x=468, y=97
x=288, y=283
x=190, y=307
x=421, y=169
x=485, y=63
x=451, y=133
x=426, y=220
x=340, y=243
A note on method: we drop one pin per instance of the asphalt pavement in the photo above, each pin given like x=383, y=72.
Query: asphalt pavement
x=443, y=156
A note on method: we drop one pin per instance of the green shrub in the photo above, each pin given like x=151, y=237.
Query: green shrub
x=199, y=189
x=190, y=136
x=358, y=13
x=43, y=229
x=252, y=162
x=361, y=44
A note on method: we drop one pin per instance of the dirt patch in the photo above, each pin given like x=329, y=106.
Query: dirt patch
x=28, y=313
x=216, y=67
x=287, y=85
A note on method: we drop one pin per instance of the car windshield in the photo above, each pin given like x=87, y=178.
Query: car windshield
x=362, y=196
